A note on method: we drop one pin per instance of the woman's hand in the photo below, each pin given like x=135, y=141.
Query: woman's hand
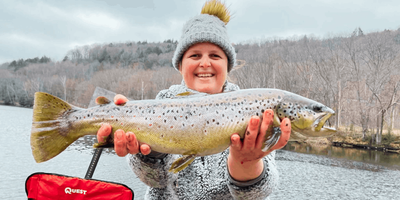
x=245, y=158
x=124, y=143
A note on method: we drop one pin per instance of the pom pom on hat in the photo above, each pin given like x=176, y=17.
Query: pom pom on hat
x=217, y=9
x=209, y=26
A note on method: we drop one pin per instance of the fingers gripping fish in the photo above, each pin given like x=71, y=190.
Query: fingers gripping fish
x=192, y=127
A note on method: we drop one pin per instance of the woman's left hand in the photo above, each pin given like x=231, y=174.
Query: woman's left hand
x=245, y=157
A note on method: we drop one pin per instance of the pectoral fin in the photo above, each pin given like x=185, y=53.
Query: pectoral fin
x=181, y=163
x=108, y=142
x=271, y=138
x=185, y=94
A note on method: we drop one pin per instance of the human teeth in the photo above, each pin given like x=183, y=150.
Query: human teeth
x=204, y=75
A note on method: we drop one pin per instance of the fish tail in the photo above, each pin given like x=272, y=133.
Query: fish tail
x=51, y=132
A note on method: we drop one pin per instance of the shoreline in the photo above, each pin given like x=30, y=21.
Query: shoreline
x=348, y=142
x=358, y=143
x=18, y=106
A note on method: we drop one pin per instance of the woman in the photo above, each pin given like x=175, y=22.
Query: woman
x=204, y=57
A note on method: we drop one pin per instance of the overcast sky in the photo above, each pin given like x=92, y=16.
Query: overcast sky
x=35, y=28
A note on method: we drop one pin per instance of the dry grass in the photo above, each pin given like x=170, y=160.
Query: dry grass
x=356, y=133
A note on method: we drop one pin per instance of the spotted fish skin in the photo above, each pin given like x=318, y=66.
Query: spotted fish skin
x=198, y=124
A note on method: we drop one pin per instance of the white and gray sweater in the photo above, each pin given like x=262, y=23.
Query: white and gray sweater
x=206, y=178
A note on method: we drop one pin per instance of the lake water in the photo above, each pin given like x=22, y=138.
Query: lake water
x=302, y=176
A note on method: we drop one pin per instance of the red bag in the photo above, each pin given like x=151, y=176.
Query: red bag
x=42, y=186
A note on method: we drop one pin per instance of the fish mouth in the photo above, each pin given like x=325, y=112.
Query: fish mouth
x=319, y=125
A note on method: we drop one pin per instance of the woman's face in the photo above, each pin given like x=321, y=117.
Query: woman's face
x=204, y=68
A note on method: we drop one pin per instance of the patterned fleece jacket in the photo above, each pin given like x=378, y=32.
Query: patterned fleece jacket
x=206, y=177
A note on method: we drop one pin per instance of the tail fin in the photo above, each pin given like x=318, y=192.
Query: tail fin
x=51, y=131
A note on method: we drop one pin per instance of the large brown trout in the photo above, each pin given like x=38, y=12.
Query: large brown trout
x=196, y=125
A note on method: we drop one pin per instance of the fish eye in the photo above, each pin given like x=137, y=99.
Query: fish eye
x=317, y=108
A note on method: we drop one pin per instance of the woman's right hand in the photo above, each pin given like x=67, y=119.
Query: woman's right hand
x=124, y=143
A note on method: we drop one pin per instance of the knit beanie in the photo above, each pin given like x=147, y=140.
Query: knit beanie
x=207, y=27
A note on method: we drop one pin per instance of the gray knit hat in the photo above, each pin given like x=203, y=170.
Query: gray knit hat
x=204, y=28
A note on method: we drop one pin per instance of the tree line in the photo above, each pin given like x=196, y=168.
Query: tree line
x=17, y=64
x=356, y=74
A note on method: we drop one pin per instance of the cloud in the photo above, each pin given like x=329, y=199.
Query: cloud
x=47, y=14
x=155, y=32
x=19, y=38
x=32, y=28
x=38, y=10
x=99, y=19
x=390, y=12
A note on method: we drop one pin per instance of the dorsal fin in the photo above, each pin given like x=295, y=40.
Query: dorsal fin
x=102, y=100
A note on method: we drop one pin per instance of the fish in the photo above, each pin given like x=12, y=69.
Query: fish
x=190, y=124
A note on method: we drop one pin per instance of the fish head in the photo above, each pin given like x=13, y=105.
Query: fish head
x=307, y=116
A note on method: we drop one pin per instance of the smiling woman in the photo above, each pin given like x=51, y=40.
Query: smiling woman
x=204, y=56
x=206, y=68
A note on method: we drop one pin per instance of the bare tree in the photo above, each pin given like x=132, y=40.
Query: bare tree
x=257, y=71
x=384, y=106
x=330, y=64
x=63, y=80
x=380, y=57
x=353, y=50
